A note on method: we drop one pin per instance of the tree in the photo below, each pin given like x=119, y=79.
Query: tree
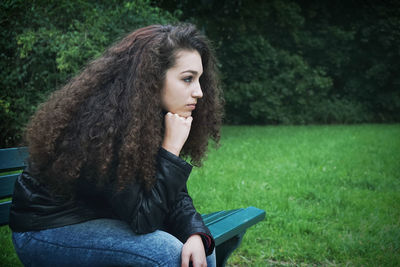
x=285, y=61
x=45, y=43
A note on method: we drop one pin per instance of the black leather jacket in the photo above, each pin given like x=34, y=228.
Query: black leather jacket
x=167, y=206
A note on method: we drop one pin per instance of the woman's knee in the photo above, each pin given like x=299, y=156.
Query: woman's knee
x=211, y=260
x=168, y=250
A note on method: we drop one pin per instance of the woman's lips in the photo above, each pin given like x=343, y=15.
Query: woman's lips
x=191, y=106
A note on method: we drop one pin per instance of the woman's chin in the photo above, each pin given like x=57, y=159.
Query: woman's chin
x=187, y=114
x=184, y=114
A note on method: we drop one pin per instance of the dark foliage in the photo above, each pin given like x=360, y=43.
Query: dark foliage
x=45, y=43
x=282, y=61
x=302, y=62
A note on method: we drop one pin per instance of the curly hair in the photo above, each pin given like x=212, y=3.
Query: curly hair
x=106, y=124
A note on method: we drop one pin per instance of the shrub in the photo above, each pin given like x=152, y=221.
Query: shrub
x=274, y=86
x=46, y=42
x=337, y=110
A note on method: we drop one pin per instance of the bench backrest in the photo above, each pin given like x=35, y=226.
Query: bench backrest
x=12, y=162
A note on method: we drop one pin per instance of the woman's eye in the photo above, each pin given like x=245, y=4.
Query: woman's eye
x=188, y=79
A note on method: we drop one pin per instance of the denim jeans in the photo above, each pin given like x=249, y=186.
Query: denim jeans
x=100, y=242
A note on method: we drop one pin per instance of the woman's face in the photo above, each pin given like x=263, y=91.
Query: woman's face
x=181, y=88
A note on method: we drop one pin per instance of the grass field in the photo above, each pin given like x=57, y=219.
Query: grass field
x=331, y=193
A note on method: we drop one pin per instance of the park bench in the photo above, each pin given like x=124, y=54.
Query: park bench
x=227, y=227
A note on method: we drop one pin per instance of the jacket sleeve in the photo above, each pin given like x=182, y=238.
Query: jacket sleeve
x=184, y=221
x=145, y=211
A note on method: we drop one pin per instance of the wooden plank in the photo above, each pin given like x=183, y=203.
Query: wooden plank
x=7, y=184
x=13, y=158
x=235, y=224
x=219, y=215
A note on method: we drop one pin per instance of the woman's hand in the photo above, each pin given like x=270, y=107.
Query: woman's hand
x=177, y=130
x=193, y=250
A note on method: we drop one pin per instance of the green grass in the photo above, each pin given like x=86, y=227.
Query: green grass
x=7, y=252
x=331, y=193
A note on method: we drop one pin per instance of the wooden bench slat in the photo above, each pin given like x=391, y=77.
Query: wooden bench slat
x=219, y=215
x=235, y=224
x=13, y=158
x=7, y=184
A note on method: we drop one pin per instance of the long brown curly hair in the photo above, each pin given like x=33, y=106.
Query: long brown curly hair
x=106, y=124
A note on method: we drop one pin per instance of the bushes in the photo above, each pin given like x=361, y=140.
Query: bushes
x=46, y=42
x=334, y=110
x=286, y=61
x=272, y=86
x=282, y=61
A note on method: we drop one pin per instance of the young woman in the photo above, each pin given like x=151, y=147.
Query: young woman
x=106, y=182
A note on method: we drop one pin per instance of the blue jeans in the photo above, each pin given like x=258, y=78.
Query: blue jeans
x=101, y=242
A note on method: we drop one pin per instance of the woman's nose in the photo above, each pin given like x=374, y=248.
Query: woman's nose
x=197, y=92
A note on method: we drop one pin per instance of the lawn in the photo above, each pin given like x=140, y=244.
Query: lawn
x=331, y=193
